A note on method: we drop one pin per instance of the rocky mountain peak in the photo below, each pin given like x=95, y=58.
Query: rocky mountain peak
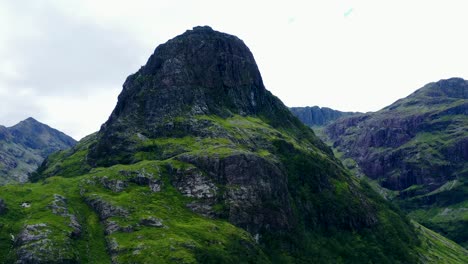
x=25, y=145
x=451, y=88
x=200, y=72
x=30, y=120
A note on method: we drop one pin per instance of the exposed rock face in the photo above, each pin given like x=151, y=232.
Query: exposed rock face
x=59, y=207
x=25, y=145
x=192, y=183
x=34, y=245
x=113, y=184
x=151, y=221
x=251, y=183
x=318, y=116
x=392, y=144
x=104, y=209
x=144, y=178
x=418, y=146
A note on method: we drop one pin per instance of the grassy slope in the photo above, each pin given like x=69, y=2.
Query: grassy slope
x=188, y=237
x=185, y=237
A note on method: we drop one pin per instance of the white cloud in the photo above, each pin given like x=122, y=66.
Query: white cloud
x=78, y=116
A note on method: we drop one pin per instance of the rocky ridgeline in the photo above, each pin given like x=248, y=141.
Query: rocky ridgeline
x=418, y=147
x=389, y=144
x=318, y=116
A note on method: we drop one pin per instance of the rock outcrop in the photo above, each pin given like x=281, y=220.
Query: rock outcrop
x=59, y=207
x=35, y=244
x=3, y=207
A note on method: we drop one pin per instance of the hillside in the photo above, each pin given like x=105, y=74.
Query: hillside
x=199, y=163
x=25, y=145
x=318, y=116
x=417, y=149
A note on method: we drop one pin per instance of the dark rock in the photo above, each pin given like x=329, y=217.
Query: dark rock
x=144, y=178
x=59, y=207
x=32, y=233
x=112, y=227
x=151, y=221
x=76, y=232
x=204, y=208
x=114, y=184
x=3, y=207
x=192, y=183
x=113, y=248
x=34, y=244
x=103, y=208
x=251, y=183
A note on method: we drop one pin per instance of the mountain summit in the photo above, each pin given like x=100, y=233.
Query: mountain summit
x=201, y=72
x=199, y=163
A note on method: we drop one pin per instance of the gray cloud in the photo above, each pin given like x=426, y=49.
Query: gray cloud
x=14, y=108
x=67, y=56
x=48, y=54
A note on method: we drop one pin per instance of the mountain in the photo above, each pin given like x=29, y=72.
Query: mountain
x=417, y=148
x=318, y=116
x=25, y=145
x=199, y=163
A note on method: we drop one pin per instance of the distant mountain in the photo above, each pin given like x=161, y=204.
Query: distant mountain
x=418, y=148
x=199, y=163
x=318, y=116
x=25, y=145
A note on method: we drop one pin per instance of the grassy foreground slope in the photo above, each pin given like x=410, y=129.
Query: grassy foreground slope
x=135, y=214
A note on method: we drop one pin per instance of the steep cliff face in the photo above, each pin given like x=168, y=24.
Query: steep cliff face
x=318, y=116
x=202, y=72
x=25, y=145
x=199, y=163
x=419, y=147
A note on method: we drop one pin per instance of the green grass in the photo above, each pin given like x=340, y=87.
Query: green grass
x=336, y=217
x=438, y=249
x=185, y=237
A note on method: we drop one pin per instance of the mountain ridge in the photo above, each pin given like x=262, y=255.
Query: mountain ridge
x=25, y=145
x=318, y=116
x=416, y=147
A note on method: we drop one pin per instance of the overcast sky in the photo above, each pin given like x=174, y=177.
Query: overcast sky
x=64, y=62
